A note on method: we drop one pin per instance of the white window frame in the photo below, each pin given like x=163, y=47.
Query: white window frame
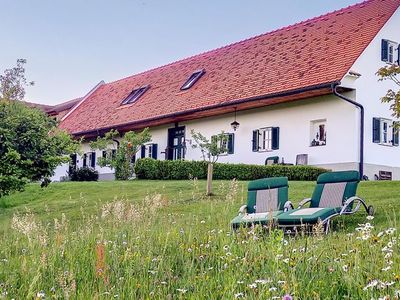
x=148, y=152
x=391, y=55
x=388, y=132
x=314, y=131
x=219, y=144
x=265, y=139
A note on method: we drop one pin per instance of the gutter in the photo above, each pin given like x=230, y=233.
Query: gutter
x=220, y=105
x=362, y=121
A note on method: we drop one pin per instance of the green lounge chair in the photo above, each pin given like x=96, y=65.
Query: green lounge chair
x=272, y=160
x=334, y=195
x=266, y=199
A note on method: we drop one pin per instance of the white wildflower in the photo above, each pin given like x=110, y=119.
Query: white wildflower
x=253, y=286
x=239, y=295
x=182, y=291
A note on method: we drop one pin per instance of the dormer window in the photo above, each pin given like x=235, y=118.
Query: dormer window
x=135, y=95
x=390, y=52
x=192, y=79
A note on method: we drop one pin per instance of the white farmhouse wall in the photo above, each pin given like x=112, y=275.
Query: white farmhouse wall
x=294, y=121
x=369, y=92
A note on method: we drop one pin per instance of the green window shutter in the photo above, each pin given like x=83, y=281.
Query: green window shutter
x=395, y=139
x=255, y=140
x=376, y=130
x=93, y=161
x=104, y=154
x=85, y=160
x=275, y=138
x=154, y=151
x=143, y=151
x=385, y=47
x=398, y=55
x=231, y=143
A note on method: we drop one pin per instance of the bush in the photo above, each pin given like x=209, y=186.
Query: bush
x=84, y=174
x=148, y=168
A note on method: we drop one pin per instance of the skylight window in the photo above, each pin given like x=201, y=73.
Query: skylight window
x=135, y=95
x=192, y=79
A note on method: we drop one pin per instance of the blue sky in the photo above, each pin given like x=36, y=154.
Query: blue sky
x=71, y=45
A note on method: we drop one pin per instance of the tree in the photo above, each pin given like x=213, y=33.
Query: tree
x=127, y=148
x=31, y=146
x=392, y=97
x=13, y=82
x=210, y=150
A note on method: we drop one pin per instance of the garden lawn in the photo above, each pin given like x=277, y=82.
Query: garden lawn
x=166, y=240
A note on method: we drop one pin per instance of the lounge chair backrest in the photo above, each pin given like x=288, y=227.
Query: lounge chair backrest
x=268, y=194
x=272, y=160
x=334, y=188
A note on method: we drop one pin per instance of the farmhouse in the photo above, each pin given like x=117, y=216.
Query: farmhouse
x=305, y=91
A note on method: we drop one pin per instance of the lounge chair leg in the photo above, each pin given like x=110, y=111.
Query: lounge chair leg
x=327, y=226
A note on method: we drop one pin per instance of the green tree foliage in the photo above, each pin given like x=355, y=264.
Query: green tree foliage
x=392, y=97
x=127, y=148
x=31, y=146
x=210, y=149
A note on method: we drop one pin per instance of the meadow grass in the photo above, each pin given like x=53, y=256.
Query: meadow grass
x=166, y=240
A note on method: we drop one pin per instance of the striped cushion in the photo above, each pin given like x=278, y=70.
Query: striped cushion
x=266, y=200
x=332, y=194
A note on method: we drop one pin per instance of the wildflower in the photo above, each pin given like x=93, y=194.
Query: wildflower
x=345, y=268
x=202, y=221
x=380, y=234
x=369, y=218
x=40, y=295
x=253, y=285
x=226, y=247
x=182, y=291
x=286, y=260
x=281, y=282
x=263, y=281
x=287, y=297
x=390, y=230
x=239, y=295
x=240, y=282
x=272, y=289
x=386, y=268
x=163, y=282
x=189, y=250
x=279, y=256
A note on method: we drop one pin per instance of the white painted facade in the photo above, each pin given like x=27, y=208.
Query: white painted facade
x=295, y=122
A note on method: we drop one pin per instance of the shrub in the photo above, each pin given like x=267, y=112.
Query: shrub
x=84, y=174
x=148, y=168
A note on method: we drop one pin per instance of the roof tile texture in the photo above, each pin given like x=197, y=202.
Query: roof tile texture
x=316, y=51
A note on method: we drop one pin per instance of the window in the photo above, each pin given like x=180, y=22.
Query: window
x=265, y=139
x=384, y=133
x=318, y=133
x=135, y=95
x=149, y=150
x=227, y=143
x=192, y=79
x=89, y=159
x=390, y=52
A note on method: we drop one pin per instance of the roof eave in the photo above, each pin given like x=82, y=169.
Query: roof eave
x=218, y=109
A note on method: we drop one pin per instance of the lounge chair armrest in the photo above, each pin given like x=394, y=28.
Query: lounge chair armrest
x=243, y=209
x=288, y=206
x=304, y=201
x=346, y=206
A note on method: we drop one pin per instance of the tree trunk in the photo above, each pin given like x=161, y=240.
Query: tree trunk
x=209, y=178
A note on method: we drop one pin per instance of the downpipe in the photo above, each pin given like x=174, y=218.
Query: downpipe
x=362, y=121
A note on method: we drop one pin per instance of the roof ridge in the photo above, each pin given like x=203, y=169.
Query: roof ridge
x=313, y=19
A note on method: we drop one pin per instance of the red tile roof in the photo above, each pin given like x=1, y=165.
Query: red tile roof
x=317, y=51
x=61, y=108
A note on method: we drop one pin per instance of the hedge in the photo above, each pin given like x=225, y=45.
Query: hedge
x=148, y=168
